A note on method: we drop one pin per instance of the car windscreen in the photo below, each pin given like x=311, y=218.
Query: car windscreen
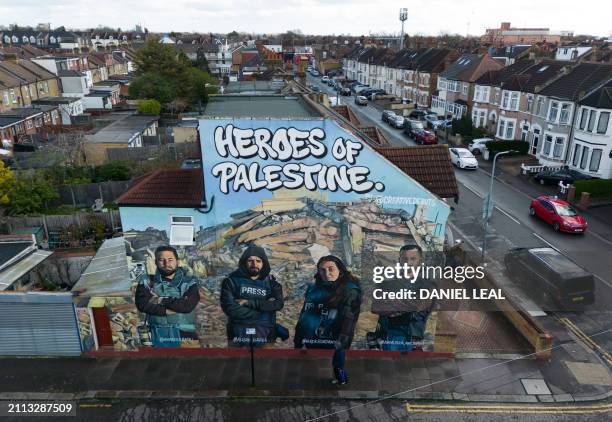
x=464, y=154
x=565, y=210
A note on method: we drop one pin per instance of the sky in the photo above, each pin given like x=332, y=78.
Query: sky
x=354, y=17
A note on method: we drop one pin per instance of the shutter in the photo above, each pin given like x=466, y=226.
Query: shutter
x=31, y=328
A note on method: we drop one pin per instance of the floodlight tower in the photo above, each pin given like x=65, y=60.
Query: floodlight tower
x=403, y=16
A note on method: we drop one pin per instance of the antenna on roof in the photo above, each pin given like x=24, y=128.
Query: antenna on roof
x=403, y=17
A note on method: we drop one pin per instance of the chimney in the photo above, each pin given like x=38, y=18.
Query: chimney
x=505, y=26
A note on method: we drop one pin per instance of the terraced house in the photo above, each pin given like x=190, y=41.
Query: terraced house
x=22, y=81
x=456, y=84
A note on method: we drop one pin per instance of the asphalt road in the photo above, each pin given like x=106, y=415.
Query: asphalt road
x=510, y=226
x=243, y=410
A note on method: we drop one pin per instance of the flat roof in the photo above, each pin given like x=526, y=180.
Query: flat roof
x=259, y=107
x=22, y=267
x=107, y=273
x=121, y=131
x=56, y=100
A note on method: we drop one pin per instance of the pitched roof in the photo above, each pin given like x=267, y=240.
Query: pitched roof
x=497, y=77
x=510, y=51
x=601, y=98
x=429, y=165
x=180, y=188
x=535, y=76
x=580, y=80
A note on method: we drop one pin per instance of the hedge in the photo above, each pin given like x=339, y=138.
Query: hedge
x=596, y=187
x=498, y=146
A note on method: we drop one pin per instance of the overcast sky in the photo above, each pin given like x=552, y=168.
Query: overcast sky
x=355, y=17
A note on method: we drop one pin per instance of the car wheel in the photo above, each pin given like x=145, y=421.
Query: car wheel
x=542, y=181
x=532, y=211
x=460, y=165
x=556, y=226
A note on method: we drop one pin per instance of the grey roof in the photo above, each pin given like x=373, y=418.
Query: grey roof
x=580, y=80
x=11, y=274
x=22, y=112
x=461, y=68
x=56, y=100
x=261, y=106
x=68, y=74
x=601, y=98
x=9, y=120
x=107, y=273
x=123, y=130
x=252, y=87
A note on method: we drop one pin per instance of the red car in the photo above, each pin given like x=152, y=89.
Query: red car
x=425, y=137
x=560, y=214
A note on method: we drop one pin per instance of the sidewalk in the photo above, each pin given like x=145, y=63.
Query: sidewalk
x=476, y=379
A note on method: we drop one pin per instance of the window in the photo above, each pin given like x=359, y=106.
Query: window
x=553, y=112
x=514, y=101
x=29, y=124
x=505, y=99
x=13, y=96
x=585, y=157
x=558, y=147
x=595, y=160
x=181, y=230
x=465, y=89
x=529, y=103
x=591, y=120
x=5, y=97
x=540, y=107
x=583, y=118
x=524, y=132
x=505, y=129
x=602, y=124
x=577, y=148
x=547, y=144
x=509, y=130
x=565, y=111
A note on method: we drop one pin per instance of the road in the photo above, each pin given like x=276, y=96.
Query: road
x=510, y=226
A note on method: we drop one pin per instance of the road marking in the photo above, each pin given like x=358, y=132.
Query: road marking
x=507, y=215
x=516, y=409
x=586, y=339
x=600, y=237
x=547, y=242
x=473, y=190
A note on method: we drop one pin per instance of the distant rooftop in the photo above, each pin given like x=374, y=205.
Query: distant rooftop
x=123, y=130
x=259, y=106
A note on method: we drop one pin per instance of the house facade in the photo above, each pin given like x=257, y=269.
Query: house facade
x=591, y=143
x=23, y=81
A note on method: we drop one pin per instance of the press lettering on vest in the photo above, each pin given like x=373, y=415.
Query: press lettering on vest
x=253, y=291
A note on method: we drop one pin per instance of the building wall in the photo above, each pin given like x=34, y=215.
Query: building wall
x=586, y=143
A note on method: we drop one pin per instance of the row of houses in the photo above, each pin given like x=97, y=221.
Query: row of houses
x=61, y=39
x=548, y=103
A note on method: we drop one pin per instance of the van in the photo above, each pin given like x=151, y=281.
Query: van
x=547, y=275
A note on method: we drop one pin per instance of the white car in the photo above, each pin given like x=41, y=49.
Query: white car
x=396, y=121
x=463, y=158
x=477, y=146
x=325, y=79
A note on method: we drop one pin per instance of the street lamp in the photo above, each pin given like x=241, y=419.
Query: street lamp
x=488, y=204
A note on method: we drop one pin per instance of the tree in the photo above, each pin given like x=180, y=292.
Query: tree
x=30, y=195
x=112, y=171
x=149, y=107
x=7, y=182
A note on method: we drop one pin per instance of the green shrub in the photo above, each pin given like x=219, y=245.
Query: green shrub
x=498, y=146
x=149, y=107
x=463, y=126
x=597, y=187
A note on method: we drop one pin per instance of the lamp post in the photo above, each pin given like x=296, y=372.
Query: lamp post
x=488, y=205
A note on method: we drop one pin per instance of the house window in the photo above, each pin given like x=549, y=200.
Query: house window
x=585, y=157
x=595, y=160
x=529, y=103
x=465, y=89
x=583, y=118
x=558, y=147
x=553, y=112
x=52, y=40
x=524, y=132
x=505, y=99
x=29, y=124
x=577, y=148
x=602, y=125
x=540, y=107
x=505, y=129
x=591, y=120
x=547, y=144
x=565, y=110
x=514, y=101
x=181, y=230
x=6, y=97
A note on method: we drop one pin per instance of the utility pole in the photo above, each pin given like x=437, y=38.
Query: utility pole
x=403, y=16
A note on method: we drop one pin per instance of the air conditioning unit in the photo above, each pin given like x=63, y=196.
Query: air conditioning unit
x=181, y=230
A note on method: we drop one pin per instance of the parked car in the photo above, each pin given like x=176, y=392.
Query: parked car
x=315, y=73
x=370, y=94
x=477, y=146
x=386, y=115
x=396, y=121
x=417, y=114
x=315, y=88
x=443, y=124
x=361, y=88
x=361, y=100
x=558, y=213
x=325, y=79
x=562, y=175
x=345, y=91
x=463, y=158
x=425, y=137
x=411, y=126
x=548, y=275
x=433, y=120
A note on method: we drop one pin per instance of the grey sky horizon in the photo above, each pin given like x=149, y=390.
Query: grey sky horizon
x=315, y=17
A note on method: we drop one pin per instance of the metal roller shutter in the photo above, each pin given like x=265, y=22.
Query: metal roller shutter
x=38, y=324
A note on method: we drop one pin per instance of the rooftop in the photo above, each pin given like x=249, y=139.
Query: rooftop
x=429, y=165
x=258, y=107
x=181, y=187
x=601, y=98
x=122, y=130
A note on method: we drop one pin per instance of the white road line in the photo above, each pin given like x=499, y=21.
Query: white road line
x=507, y=215
x=600, y=237
x=547, y=242
x=602, y=280
x=473, y=190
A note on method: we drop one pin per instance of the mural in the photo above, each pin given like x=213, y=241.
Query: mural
x=293, y=191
